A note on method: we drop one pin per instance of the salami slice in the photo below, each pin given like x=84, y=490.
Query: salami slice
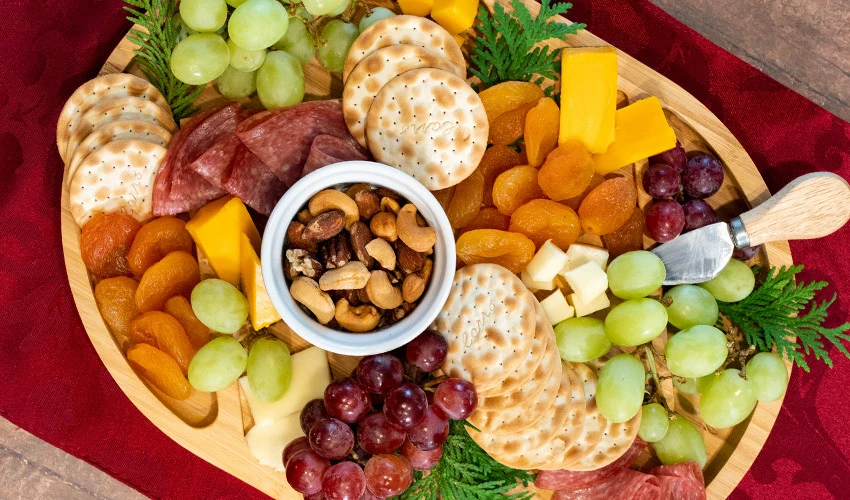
x=570, y=480
x=328, y=149
x=690, y=470
x=219, y=125
x=252, y=181
x=628, y=484
x=680, y=488
x=214, y=164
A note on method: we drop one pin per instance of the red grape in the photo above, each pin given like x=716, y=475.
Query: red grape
x=698, y=213
x=305, y=470
x=675, y=157
x=388, y=475
x=346, y=400
x=431, y=430
x=359, y=455
x=313, y=411
x=294, y=446
x=377, y=435
x=703, y=176
x=315, y=496
x=665, y=220
x=368, y=495
x=421, y=460
x=331, y=438
x=427, y=351
x=457, y=398
x=662, y=181
x=344, y=481
x=405, y=405
x=746, y=253
x=380, y=373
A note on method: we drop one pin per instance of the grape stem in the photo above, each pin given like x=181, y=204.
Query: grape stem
x=434, y=381
x=659, y=396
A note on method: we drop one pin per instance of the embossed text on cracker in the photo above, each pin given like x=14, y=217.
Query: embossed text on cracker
x=471, y=335
x=442, y=128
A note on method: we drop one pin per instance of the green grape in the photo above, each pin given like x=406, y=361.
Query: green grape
x=691, y=305
x=235, y=3
x=322, y=7
x=377, y=14
x=200, y=58
x=682, y=443
x=205, y=16
x=269, y=369
x=301, y=12
x=338, y=36
x=769, y=376
x=217, y=365
x=635, y=322
x=219, y=305
x=619, y=390
x=636, y=274
x=280, y=80
x=258, y=24
x=581, y=339
x=734, y=283
x=234, y=84
x=696, y=352
x=693, y=385
x=653, y=423
x=182, y=31
x=339, y=10
x=297, y=41
x=728, y=400
x=245, y=60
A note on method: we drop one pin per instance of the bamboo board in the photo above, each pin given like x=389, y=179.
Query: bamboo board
x=213, y=426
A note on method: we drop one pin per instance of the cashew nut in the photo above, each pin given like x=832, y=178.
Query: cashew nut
x=351, y=276
x=306, y=292
x=421, y=239
x=389, y=204
x=381, y=251
x=357, y=319
x=381, y=292
x=383, y=225
x=331, y=199
x=413, y=288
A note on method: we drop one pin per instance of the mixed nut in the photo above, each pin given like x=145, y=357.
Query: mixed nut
x=358, y=259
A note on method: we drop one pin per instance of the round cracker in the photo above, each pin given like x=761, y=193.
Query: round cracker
x=118, y=176
x=373, y=72
x=594, y=423
x=95, y=91
x=117, y=131
x=411, y=30
x=616, y=439
x=429, y=124
x=523, y=373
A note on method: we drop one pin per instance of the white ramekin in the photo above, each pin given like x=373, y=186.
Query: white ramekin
x=341, y=175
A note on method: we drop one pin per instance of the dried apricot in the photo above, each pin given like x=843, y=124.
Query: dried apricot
x=488, y=218
x=105, y=242
x=575, y=201
x=608, y=206
x=626, y=238
x=543, y=220
x=179, y=307
x=505, y=96
x=509, y=126
x=511, y=250
x=541, y=131
x=155, y=240
x=514, y=188
x=495, y=161
x=160, y=370
x=444, y=196
x=164, y=332
x=566, y=172
x=466, y=200
x=176, y=274
x=116, y=301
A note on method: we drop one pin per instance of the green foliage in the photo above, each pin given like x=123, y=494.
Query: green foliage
x=505, y=49
x=772, y=315
x=154, y=53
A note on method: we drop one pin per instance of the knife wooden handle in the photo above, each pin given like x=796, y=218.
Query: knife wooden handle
x=810, y=206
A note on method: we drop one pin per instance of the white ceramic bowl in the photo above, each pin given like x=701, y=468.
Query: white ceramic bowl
x=341, y=175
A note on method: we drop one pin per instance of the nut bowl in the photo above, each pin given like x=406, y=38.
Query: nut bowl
x=340, y=176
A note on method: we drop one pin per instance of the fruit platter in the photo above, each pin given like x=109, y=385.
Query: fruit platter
x=432, y=249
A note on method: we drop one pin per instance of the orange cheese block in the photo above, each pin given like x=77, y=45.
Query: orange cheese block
x=260, y=307
x=641, y=131
x=456, y=16
x=588, y=96
x=419, y=8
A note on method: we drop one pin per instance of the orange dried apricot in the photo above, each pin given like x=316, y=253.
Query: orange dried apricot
x=514, y=188
x=575, y=201
x=116, y=301
x=511, y=250
x=488, y=218
x=541, y=131
x=505, y=96
x=105, y=242
x=179, y=307
x=155, y=240
x=495, y=161
x=164, y=332
x=466, y=200
x=176, y=274
x=626, y=238
x=509, y=126
x=160, y=370
x=608, y=206
x=444, y=196
x=543, y=220
x=566, y=172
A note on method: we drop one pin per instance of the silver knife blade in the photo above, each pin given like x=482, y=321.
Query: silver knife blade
x=697, y=256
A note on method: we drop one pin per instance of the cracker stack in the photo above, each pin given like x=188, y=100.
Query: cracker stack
x=534, y=411
x=112, y=134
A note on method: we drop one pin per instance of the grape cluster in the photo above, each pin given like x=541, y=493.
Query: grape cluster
x=372, y=429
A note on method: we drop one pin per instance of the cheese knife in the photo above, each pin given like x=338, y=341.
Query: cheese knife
x=811, y=206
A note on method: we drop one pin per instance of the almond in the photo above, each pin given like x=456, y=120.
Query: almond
x=325, y=226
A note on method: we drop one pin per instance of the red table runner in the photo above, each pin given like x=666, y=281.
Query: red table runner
x=53, y=384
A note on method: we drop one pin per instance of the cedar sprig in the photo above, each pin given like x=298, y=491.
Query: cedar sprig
x=772, y=316
x=156, y=42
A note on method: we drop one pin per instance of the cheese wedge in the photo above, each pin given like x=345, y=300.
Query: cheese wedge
x=266, y=442
x=641, y=130
x=556, y=307
x=547, y=262
x=587, y=280
x=589, y=307
x=588, y=96
x=260, y=307
x=536, y=285
x=579, y=254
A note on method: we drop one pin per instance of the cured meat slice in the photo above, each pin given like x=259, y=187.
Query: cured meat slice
x=219, y=125
x=628, y=484
x=328, y=149
x=252, y=181
x=690, y=470
x=680, y=488
x=570, y=480
x=214, y=164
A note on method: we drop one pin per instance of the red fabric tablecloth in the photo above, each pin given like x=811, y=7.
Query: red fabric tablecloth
x=53, y=384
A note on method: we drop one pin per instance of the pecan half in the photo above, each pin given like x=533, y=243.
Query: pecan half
x=336, y=252
x=325, y=226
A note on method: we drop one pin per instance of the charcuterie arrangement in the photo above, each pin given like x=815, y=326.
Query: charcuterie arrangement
x=522, y=264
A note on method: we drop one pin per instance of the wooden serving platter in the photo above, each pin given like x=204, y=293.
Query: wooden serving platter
x=212, y=426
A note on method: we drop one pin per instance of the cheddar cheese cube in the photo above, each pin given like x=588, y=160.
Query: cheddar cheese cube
x=588, y=96
x=456, y=16
x=641, y=131
x=419, y=8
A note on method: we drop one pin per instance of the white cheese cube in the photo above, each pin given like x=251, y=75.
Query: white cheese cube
x=579, y=254
x=536, y=285
x=587, y=280
x=547, y=262
x=266, y=442
x=589, y=307
x=556, y=308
